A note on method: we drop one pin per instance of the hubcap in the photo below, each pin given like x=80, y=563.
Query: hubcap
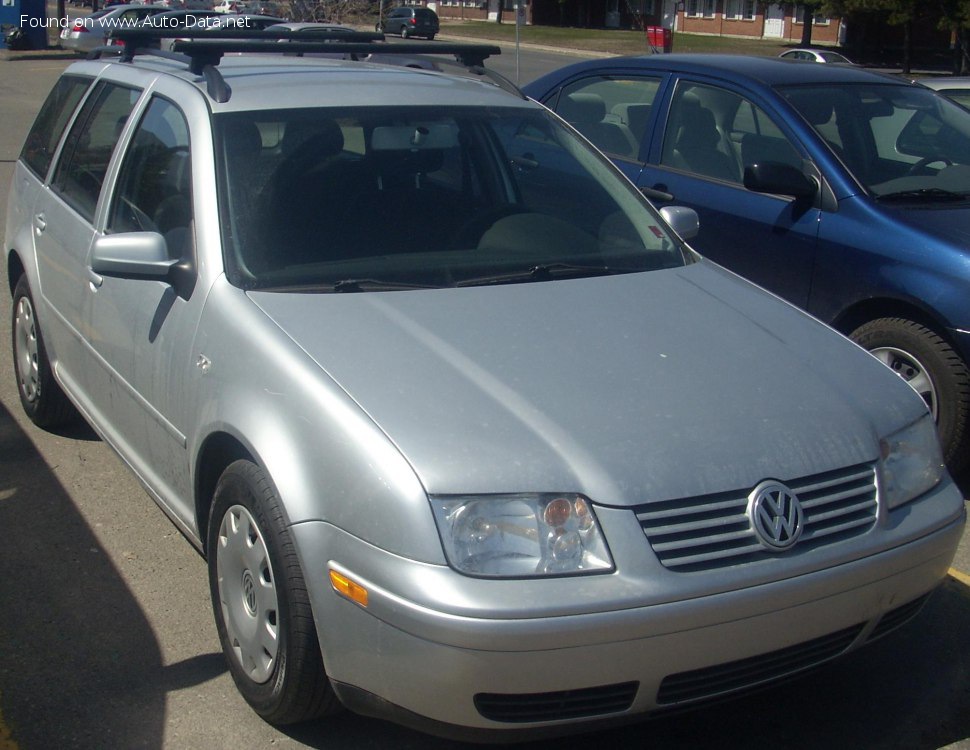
x=26, y=350
x=247, y=594
x=912, y=371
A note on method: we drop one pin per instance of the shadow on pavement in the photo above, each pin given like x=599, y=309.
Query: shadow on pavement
x=79, y=664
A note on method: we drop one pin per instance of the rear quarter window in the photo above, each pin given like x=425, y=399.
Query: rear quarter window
x=42, y=140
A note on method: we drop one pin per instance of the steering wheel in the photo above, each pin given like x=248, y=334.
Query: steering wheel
x=923, y=164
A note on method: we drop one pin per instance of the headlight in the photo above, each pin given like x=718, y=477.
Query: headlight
x=521, y=536
x=912, y=462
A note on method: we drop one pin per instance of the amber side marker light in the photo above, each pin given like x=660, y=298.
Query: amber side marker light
x=344, y=586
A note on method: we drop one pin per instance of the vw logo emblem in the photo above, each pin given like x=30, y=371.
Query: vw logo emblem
x=776, y=515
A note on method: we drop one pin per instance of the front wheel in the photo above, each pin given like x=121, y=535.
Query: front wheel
x=934, y=370
x=40, y=395
x=260, y=602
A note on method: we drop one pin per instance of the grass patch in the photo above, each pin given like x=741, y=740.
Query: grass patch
x=611, y=41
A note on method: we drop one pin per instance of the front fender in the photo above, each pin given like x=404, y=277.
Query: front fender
x=328, y=460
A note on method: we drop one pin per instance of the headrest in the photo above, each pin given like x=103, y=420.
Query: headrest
x=242, y=139
x=698, y=131
x=813, y=107
x=324, y=137
x=582, y=108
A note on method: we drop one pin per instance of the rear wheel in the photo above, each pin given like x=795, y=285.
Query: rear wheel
x=404, y=32
x=934, y=370
x=261, y=606
x=40, y=395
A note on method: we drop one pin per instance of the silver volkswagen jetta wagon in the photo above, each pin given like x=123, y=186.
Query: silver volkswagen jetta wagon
x=469, y=437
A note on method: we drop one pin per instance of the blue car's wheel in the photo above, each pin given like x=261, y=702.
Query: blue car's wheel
x=934, y=370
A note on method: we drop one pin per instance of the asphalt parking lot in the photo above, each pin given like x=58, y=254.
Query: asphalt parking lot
x=106, y=637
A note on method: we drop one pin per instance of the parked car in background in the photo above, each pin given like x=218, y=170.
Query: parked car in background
x=249, y=21
x=470, y=438
x=177, y=20
x=952, y=87
x=88, y=32
x=842, y=190
x=816, y=55
x=408, y=21
x=309, y=29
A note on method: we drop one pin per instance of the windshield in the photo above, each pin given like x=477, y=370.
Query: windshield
x=900, y=142
x=363, y=199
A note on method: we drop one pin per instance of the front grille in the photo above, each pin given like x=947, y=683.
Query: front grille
x=564, y=704
x=735, y=675
x=713, y=531
x=897, y=617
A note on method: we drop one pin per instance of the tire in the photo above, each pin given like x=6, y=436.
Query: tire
x=40, y=396
x=405, y=33
x=936, y=372
x=378, y=27
x=257, y=587
x=430, y=37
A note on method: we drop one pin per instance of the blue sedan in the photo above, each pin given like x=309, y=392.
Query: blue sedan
x=844, y=191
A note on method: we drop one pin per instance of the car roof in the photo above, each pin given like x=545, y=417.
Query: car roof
x=770, y=71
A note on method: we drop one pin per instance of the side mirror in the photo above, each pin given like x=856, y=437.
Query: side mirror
x=132, y=255
x=684, y=221
x=779, y=179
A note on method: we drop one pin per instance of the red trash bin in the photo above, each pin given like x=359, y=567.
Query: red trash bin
x=660, y=39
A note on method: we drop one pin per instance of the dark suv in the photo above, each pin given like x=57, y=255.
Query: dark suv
x=410, y=22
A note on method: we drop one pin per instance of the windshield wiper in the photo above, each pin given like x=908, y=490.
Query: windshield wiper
x=924, y=194
x=545, y=272
x=377, y=285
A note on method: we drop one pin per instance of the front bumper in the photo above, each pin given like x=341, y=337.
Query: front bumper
x=446, y=672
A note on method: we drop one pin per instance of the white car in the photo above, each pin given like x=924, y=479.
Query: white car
x=816, y=55
x=88, y=32
x=954, y=88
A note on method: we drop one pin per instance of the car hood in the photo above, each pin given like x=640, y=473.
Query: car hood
x=947, y=221
x=627, y=388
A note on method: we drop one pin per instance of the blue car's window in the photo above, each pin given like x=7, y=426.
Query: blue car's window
x=716, y=133
x=424, y=196
x=694, y=140
x=900, y=142
x=612, y=111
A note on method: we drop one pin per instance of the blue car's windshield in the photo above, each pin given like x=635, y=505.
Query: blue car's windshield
x=390, y=197
x=900, y=142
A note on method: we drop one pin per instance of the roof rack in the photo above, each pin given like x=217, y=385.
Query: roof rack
x=203, y=50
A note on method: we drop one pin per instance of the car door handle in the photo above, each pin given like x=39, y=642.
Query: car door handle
x=40, y=223
x=657, y=193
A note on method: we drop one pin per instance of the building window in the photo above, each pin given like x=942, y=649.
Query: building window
x=700, y=8
x=739, y=10
x=820, y=19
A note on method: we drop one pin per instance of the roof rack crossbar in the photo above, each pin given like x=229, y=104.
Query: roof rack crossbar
x=206, y=47
x=470, y=55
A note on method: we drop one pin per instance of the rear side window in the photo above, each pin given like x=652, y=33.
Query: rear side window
x=89, y=145
x=612, y=111
x=38, y=151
